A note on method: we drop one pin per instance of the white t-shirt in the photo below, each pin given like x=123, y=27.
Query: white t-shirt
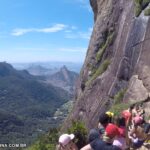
x=120, y=142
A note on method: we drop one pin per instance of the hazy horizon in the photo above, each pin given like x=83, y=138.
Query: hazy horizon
x=51, y=31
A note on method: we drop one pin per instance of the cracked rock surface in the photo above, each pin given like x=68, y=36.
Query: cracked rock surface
x=128, y=54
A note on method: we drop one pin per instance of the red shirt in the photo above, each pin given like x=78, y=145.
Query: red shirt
x=122, y=131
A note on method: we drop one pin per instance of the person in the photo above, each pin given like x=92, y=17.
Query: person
x=111, y=132
x=120, y=140
x=138, y=111
x=106, y=142
x=127, y=114
x=66, y=143
x=137, y=120
x=147, y=127
x=136, y=142
x=104, y=119
x=136, y=133
x=93, y=134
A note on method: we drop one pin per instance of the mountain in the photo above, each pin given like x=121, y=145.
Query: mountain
x=27, y=105
x=52, y=65
x=39, y=70
x=63, y=78
x=117, y=62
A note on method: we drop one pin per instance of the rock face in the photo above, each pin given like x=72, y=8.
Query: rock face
x=118, y=57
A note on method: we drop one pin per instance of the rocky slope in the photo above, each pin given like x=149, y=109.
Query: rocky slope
x=118, y=58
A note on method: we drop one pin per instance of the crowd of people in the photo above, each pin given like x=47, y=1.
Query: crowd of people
x=128, y=131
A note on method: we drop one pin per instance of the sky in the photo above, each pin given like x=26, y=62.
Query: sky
x=44, y=30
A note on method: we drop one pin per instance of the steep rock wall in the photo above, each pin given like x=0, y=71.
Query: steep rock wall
x=118, y=57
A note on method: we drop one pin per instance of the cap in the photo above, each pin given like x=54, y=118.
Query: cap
x=110, y=114
x=64, y=139
x=112, y=130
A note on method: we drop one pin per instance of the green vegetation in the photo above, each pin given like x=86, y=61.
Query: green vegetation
x=147, y=12
x=103, y=46
x=64, y=110
x=145, y=3
x=118, y=108
x=138, y=10
x=46, y=142
x=50, y=140
x=97, y=72
x=103, y=67
x=119, y=96
x=27, y=106
x=140, y=5
x=79, y=130
x=118, y=104
x=138, y=2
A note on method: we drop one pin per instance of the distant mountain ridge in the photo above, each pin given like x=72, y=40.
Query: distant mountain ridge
x=7, y=70
x=40, y=70
x=73, y=66
x=63, y=78
x=25, y=101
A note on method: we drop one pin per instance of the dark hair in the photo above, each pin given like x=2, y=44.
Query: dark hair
x=131, y=107
x=104, y=119
x=121, y=122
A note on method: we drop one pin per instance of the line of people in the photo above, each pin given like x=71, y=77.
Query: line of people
x=130, y=130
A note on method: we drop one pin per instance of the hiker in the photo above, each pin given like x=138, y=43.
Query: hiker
x=146, y=127
x=66, y=143
x=136, y=132
x=138, y=111
x=127, y=114
x=104, y=119
x=105, y=143
x=120, y=140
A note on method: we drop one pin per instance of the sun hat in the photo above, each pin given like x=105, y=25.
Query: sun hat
x=112, y=130
x=137, y=120
x=64, y=139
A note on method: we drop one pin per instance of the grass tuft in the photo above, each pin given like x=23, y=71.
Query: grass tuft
x=147, y=12
x=103, y=47
x=97, y=72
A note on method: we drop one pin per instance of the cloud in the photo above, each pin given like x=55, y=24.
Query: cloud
x=80, y=35
x=19, y=32
x=55, y=28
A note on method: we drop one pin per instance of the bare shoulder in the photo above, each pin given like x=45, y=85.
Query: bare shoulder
x=87, y=147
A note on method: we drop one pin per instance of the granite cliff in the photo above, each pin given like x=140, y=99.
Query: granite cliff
x=118, y=58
